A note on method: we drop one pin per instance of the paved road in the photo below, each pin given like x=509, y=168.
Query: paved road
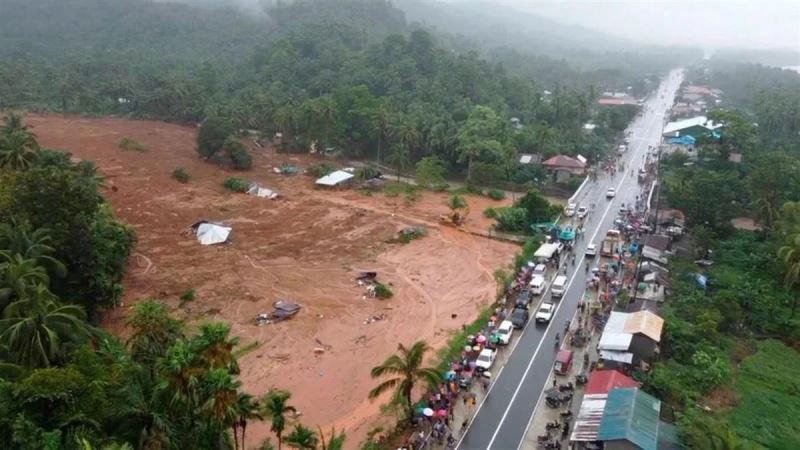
x=502, y=418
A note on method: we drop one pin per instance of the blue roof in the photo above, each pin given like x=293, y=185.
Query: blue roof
x=687, y=139
x=631, y=415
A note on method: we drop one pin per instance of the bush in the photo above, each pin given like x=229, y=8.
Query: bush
x=486, y=174
x=188, y=296
x=236, y=184
x=490, y=213
x=181, y=175
x=512, y=219
x=439, y=187
x=430, y=171
x=131, y=145
x=321, y=169
x=212, y=136
x=407, y=235
x=574, y=183
x=237, y=154
x=496, y=194
x=383, y=291
x=366, y=173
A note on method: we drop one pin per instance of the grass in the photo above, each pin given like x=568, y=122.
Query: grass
x=236, y=184
x=240, y=352
x=383, y=291
x=769, y=397
x=129, y=144
x=188, y=296
x=181, y=175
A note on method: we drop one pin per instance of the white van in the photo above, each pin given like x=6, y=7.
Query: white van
x=559, y=286
x=537, y=285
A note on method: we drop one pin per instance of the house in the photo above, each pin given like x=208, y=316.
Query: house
x=630, y=338
x=530, y=158
x=699, y=90
x=590, y=415
x=630, y=420
x=617, y=101
x=691, y=97
x=565, y=166
x=588, y=127
x=337, y=178
x=695, y=127
x=655, y=248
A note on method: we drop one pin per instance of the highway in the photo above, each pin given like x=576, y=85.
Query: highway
x=501, y=420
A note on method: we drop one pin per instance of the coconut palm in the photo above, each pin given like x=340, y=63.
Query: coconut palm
x=301, y=438
x=221, y=393
x=18, y=149
x=141, y=415
x=789, y=254
x=16, y=238
x=215, y=348
x=154, y=331
x=11, y=123
x=406, y=366
x=181, y=378
x=37, y=330
x=334, y=442
x=18, y=276
x=275, y=406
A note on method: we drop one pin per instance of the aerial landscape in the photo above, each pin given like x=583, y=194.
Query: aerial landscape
x=405, y=224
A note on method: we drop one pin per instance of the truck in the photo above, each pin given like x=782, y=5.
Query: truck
x=610, y=242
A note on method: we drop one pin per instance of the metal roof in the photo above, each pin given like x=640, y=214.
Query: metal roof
x=615, y=341
x=631, y=415
x=332, y=179
x=622, y=357
x=646, y=323
x=616, y=322
x=603, y=381
x=587, y=423
x=701, y=121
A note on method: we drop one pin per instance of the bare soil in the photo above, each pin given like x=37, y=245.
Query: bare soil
x=306, y=247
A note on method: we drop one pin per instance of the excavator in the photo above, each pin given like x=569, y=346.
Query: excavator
x=455, y=218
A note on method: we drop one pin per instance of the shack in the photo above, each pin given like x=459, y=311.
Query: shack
x=338, y=178
x=545, y=252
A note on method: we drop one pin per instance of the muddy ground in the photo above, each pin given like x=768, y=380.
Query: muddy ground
x=306, y=247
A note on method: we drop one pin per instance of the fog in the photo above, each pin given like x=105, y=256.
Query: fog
x=708, y=24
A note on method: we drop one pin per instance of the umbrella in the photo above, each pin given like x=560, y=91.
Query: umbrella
x=477, y=348
x=450, y=375
x=441, y=413
x=420, y=409
x=467, y=348
x=427, y=412
x=481, y=339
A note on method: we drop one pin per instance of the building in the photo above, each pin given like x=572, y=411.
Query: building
x=615, y=101
x=695, y=127
x=337, y=178
x=629, y=339
x=656, y=248
x=530, y=158
x=590, y=414
x=630, y=420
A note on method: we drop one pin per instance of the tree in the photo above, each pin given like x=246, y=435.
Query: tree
x=38, y=331
x=334, y=442
x=19, y=277
x=214, y=347
x=537, y=207
x=398, y=158
x=18, y=239
x=455, y=202
x=789, y=254
x=302, y=438
x=237, y=154
x=407, y=370
x=18, y=149
x=275, y=407
x=737, y=134
x=246, y=409
x=154, y=332
x=478, y=136
x=212, y=136
x=430, y=171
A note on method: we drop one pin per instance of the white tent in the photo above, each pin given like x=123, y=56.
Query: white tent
x=545, y=252
x=211, y=233
x=335, y=178
x=262, y=192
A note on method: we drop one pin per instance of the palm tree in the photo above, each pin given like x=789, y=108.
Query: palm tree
x=221, y=392
x=274, y=406
x=36, y=329
x=16, y=238
x=790, y=255
x=181, y=377
x=214, y=347
x=140, y=413
x=18, y=276
x=12, y=122
x=18, y=149
x=408, y=371
x=301, y=438
x=154, y=331
x=334, y=442
x=245, y=410
x=398, y=158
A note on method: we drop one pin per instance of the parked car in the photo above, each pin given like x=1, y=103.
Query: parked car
x=545, y=312
x=485, y=360
x=537, y=285
x=540, y=270
x=591, y=250
x=519, y=317
x=611, y=192
x=563, y=362
x=523, y=299
x=504, y=331
x=569, y=211
x=559, y=286
x=582, y=211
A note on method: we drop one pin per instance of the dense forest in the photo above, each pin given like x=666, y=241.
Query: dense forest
x=729, y=354
x=346, y=74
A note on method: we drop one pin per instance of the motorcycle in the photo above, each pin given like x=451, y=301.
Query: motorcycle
x=543, y=437
x=569, y=387
x=553, y=425
x=581, y=379
x=553, y=445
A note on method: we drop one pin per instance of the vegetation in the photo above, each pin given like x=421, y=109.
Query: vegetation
x=737, y=338
x=406, y=367
x=496, y=194
x=181, y=175
x=131, y=145
x=235, y=184
x=383, y=291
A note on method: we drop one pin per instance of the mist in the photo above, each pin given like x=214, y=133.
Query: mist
x=706, y=24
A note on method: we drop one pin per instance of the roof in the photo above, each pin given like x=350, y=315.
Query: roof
x=615, y=341
x=564, y=161
x=616, y=101
x=527, y=158
x=587, y=422
x=694, y=89
x=631, y=415
x=334, y=178
x=589, y=126
x=701, y=121
x=657, y=241
x=210, y=233
x=610, y=355
x=646, y=323
x=603, y=381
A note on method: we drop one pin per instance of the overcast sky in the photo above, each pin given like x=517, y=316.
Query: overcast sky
x=712, y=23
